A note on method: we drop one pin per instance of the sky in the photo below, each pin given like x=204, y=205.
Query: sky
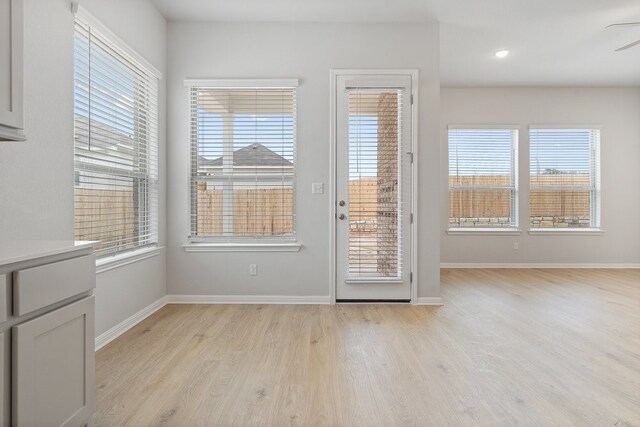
x=489, y=151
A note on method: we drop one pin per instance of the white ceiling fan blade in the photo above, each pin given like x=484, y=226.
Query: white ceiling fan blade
x=622, y=24
x=630, y=45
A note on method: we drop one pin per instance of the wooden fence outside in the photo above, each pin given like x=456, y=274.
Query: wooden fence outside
x=497, y=203
x=105, y=215
x=363, y=194
x=489, y=203
x=269, y=212
x=257, y=212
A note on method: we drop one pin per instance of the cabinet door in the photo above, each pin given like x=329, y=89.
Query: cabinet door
x=53, y=365
x=11, y=51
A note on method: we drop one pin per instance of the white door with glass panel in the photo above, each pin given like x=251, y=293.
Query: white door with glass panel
x=373, y=188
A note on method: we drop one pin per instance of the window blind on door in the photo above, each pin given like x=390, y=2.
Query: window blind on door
x=483, y=178
x=375, y=182
x=115, y=145
x=564, y=178
x=243, y=142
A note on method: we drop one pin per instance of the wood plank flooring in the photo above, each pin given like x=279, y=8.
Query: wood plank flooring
x=510, y=347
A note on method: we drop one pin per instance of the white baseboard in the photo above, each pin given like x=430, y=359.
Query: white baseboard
x=247, y=299
x=122, y=327
x=535, y=265
x=429, y=301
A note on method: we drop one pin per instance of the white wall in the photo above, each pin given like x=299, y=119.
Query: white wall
x=306, y=51
x=36, y=176
x=617, y=110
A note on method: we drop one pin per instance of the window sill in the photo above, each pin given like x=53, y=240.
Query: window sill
x=484, y=231
x=566, y=231
x=373, y=281
x=242, y=247
x=119, y=260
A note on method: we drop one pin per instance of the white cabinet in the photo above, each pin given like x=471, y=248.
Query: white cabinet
x=47, y=333
x=11, y=71
x=53, y=367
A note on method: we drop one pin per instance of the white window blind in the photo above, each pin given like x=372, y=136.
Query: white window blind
x=483, y=178
x=376, y=182
x=243, y=143
x=564, y=178
x=116, y=145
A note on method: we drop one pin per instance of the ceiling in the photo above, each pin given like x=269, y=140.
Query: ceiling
x=552, y=42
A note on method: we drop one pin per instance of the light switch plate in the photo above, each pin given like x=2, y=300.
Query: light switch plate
x=317, y=188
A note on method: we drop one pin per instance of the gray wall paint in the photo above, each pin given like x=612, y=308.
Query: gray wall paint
x=124, y=291
x=36, y=176
x=617, y=110
x=305, y=51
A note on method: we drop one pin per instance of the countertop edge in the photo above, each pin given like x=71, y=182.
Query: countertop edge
x=34, y=249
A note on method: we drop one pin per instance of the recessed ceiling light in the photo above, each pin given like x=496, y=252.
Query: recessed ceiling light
x=501, y=53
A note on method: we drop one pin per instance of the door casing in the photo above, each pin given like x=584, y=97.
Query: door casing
x=413, y=74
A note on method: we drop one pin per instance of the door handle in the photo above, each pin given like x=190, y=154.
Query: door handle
x=342, y=216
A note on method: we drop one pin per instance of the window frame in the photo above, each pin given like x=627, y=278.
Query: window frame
x=595, y=178
x=150, y=198
x=241, y=243
x=514, y=228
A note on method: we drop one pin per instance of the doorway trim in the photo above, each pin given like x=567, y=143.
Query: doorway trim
x=333, y=74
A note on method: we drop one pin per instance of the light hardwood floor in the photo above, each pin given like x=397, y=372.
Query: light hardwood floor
x=510, y=347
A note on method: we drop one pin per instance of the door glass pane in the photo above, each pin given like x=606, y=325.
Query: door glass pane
x=374, y=179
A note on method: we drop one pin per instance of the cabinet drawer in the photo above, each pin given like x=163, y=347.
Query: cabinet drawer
x=38, y=287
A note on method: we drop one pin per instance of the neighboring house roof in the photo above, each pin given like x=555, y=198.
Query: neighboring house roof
x=251, y=155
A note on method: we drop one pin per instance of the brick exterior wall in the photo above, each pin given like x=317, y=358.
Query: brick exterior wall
x=387, y=185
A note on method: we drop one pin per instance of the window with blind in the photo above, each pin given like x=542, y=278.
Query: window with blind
x=243, y=142
x=483, y=178
x=115, y=144
x=564, y=178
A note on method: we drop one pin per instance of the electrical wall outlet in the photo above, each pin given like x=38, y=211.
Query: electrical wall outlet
x=516, y=246
x=317, y=188
x=253, y=269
